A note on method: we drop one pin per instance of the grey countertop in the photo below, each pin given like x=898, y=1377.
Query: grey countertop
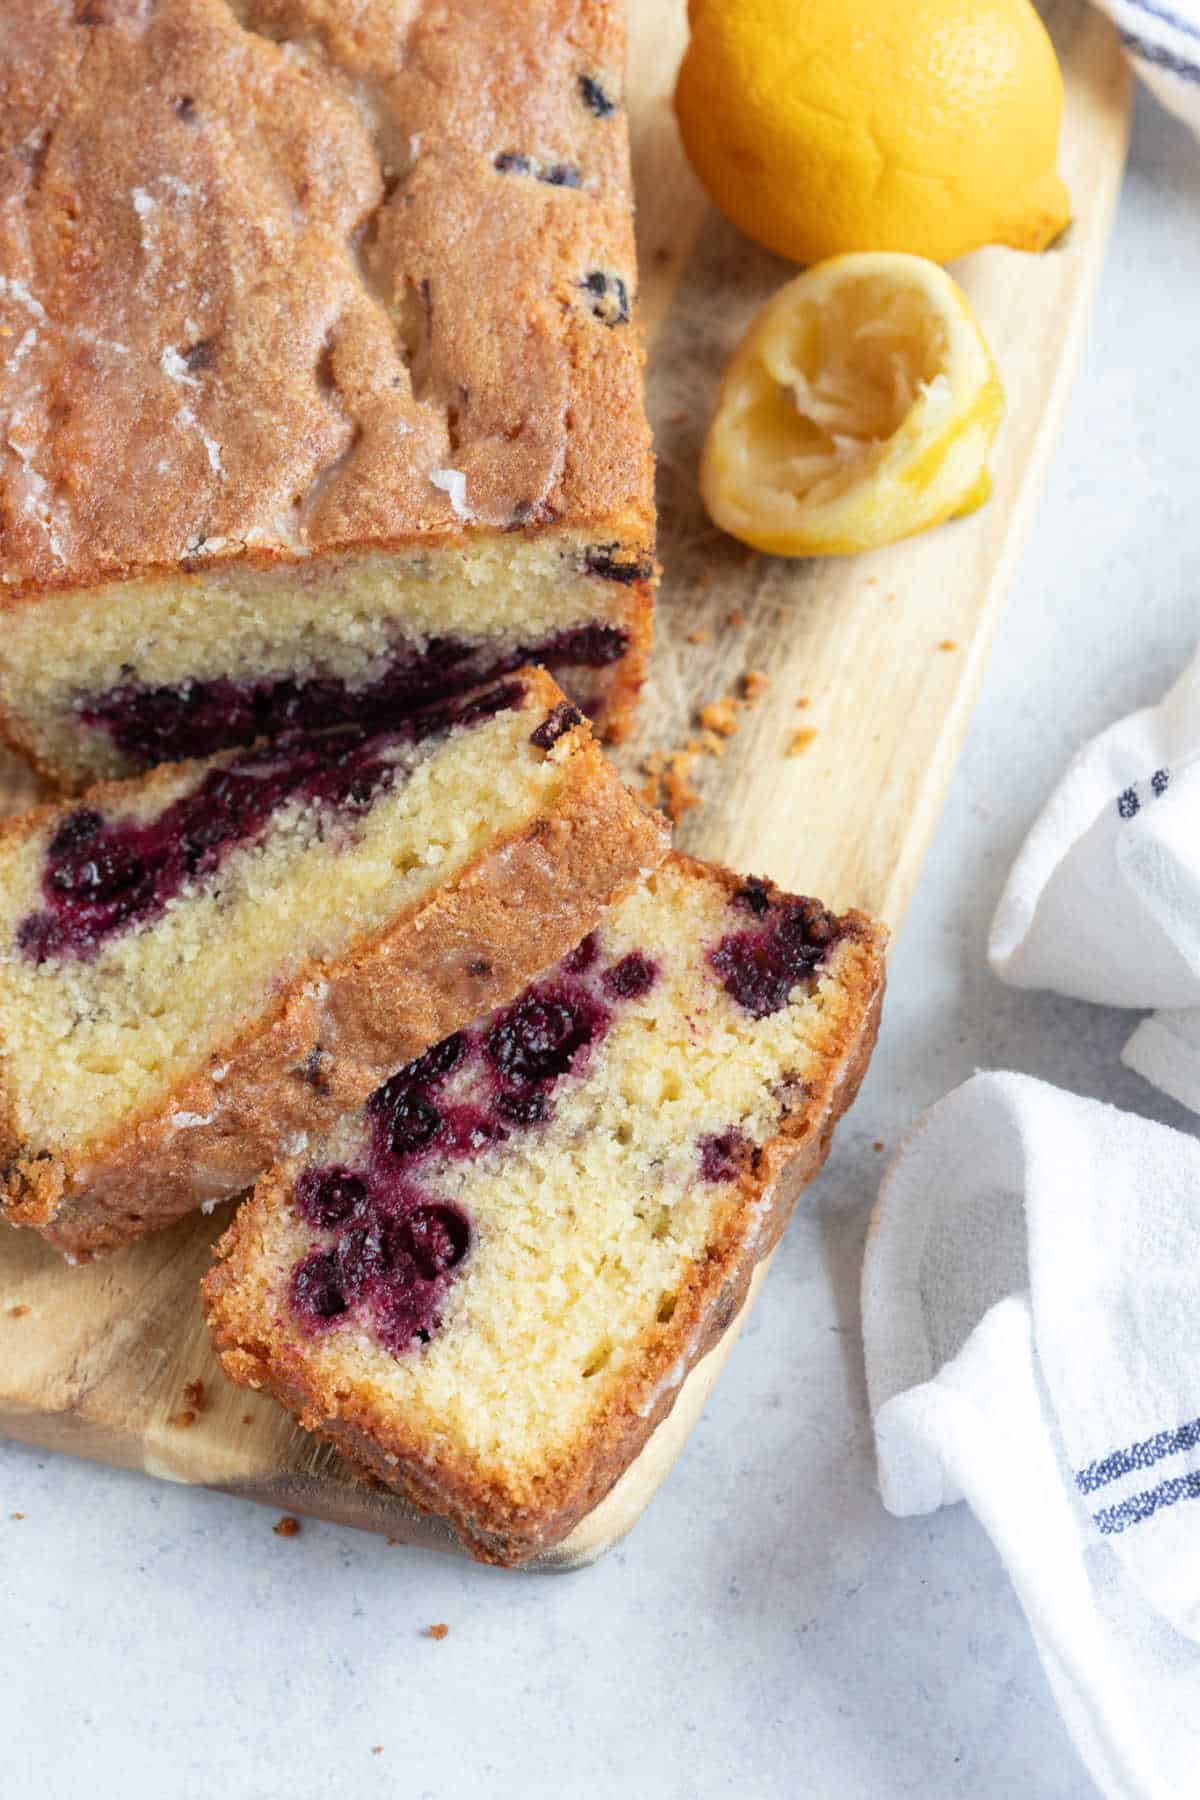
x=767, y=1630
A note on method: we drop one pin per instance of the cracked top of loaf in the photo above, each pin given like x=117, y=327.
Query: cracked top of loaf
x=283, y=277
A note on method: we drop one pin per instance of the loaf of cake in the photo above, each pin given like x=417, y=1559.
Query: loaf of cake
x=321, y=382
x=488, y=1284
x=201, y=966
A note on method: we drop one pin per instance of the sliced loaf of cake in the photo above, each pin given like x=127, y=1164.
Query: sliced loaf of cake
x=200, y=968
x=323, y=389
x=489, y=1283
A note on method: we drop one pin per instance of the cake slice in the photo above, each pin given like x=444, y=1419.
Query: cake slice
x=322, y=386
x=201, y=967
x=488, y=1284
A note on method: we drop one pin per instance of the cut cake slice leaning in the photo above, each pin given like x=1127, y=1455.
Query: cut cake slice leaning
x=201, y=967
x=488, y=1285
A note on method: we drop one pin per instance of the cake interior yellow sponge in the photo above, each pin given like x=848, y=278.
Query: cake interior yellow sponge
x=202, y=966
x=489, y=1283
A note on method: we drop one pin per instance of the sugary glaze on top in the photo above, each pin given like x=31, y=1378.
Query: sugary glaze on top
x=282, y=277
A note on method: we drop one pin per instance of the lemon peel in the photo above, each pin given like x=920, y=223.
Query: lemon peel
x=859, y=408
x=827, y=126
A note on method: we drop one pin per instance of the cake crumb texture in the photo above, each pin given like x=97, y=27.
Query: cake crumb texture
x=606, y=1235
x=86, y=1041
x=172, y=1063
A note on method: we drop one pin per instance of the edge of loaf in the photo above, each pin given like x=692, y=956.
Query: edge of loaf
x=368, y=297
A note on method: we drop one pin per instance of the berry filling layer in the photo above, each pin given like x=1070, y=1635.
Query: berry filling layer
x=387, y=1241
x=792, y=936
x=390, y=1245
x=197, y=718
x=389, y=1226
x=103, y=876
x=724, y=1155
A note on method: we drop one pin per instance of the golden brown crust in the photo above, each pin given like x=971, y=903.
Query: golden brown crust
x=260, y=259
x=343, y=1026
x=495, y=1525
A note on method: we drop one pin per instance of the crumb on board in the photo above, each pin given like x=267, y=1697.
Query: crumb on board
x=17, y=1312
x=878, y=1144
x=287, y=1526
x=681, y=796
x=948, y=644
x=736, y=617
x=668, y=781
x=669, y=772
x=376, y=1749
x=16, y=1515
x=437, y=1631
x=804, y=701
x=195, y=1401
x=720, y=715
x=800, y=741
x=701, y=635
x=247, y=1418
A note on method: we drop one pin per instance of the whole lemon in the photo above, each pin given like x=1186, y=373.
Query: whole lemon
x=826, y=126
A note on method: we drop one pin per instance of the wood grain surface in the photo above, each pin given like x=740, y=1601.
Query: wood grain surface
x=887, y=651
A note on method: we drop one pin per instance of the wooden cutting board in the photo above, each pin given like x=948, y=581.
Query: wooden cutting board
x=887, y=651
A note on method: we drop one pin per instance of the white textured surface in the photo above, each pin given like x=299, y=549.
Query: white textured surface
x=767, y=1630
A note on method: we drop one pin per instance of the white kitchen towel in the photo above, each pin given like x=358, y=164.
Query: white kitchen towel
x=1163, y=43
x=1031, y=1318
x=1103, y=902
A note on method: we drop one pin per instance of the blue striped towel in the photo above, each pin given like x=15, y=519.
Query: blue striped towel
x=1103, y=901
x=1162, y=41
x=1031, y=1321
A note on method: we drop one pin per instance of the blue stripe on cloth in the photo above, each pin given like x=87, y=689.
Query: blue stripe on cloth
x=1160, y=56
x=1115, y=1519
x=1167, y=15
x=1138, y=1456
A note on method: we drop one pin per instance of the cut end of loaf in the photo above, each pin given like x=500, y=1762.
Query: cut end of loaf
x=103, y=682
x=364, y=359
x=490, y=1283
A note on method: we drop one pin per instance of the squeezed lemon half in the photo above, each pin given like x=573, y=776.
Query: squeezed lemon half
x=859, y=408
